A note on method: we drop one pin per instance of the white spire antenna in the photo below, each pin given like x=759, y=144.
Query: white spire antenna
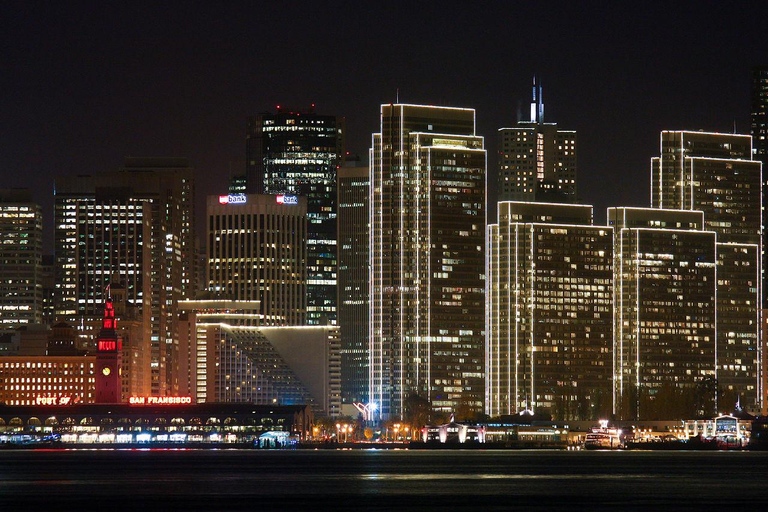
x=537, y=103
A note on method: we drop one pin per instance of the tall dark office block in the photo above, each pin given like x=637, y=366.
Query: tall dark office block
x=298, y=153
x=354, y=275
x=759, y=131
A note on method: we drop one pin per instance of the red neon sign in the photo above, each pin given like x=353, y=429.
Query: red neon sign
x=107, y=346
x=159, y=400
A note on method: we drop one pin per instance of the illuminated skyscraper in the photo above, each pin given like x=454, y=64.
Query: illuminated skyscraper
x=549, y=312
x=257, y=251
x=354, y=274
x=134, y=226
x=664, y=333
x=759, y=131
x=298, y=153
x=716, y=174
x=537, y=162
x=21, y=253
x=760, y=113
x=428, y=171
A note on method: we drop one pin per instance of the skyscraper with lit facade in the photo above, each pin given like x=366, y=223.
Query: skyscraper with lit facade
x=759, y=132
x=549, y=312
x=759, y=121
x=716, y=174
x=21, y=253
x=353, y=283
x=665, y=313
x=298, y=153
x=257, y=250
x=134, y=226
x=428, y=172
x=537, y=161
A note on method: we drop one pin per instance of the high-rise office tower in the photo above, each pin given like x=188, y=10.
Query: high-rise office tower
x=664, y=334
x=716, y=173
x=134, y=226
x=428, y=171
x=257, y=251
x=21, y=253
x=759, y=125
x=537, y=162
x=759, y=131
x=353, y=282
x=549, y=309
x=298, y=153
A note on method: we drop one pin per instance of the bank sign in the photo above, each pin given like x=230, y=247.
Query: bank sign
x=287, y=199
x=233, y=199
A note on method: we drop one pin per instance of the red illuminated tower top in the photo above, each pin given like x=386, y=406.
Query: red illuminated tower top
x=109, y=341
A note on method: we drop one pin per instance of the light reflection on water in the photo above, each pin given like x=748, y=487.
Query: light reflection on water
x=387, y=479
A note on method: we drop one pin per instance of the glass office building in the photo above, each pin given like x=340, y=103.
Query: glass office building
x=298, y=153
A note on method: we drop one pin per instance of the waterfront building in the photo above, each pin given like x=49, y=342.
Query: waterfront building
x=147, y=420
x=537, y=161
x=298, y=153
x=237, y=359
x=716, y=173
x=549, y=312
x=134, y=226
x=21, y=252
x=428, y=172
x=257, y=251
x=34, y=380
x=664, y=351
x=199, y=339
x=353, y=281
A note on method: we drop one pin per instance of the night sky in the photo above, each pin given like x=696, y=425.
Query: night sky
x=84, y=85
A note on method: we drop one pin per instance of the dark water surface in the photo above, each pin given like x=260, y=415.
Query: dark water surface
x=382, y=480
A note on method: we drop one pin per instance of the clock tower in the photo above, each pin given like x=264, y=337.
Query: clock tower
x=108, y=359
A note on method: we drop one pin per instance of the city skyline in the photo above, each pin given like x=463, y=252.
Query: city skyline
x=383, y=255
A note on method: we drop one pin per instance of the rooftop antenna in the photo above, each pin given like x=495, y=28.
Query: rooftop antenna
x=397, y=95
x=537, y=103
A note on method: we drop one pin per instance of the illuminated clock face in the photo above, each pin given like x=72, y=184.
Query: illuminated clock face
x=106, y=371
